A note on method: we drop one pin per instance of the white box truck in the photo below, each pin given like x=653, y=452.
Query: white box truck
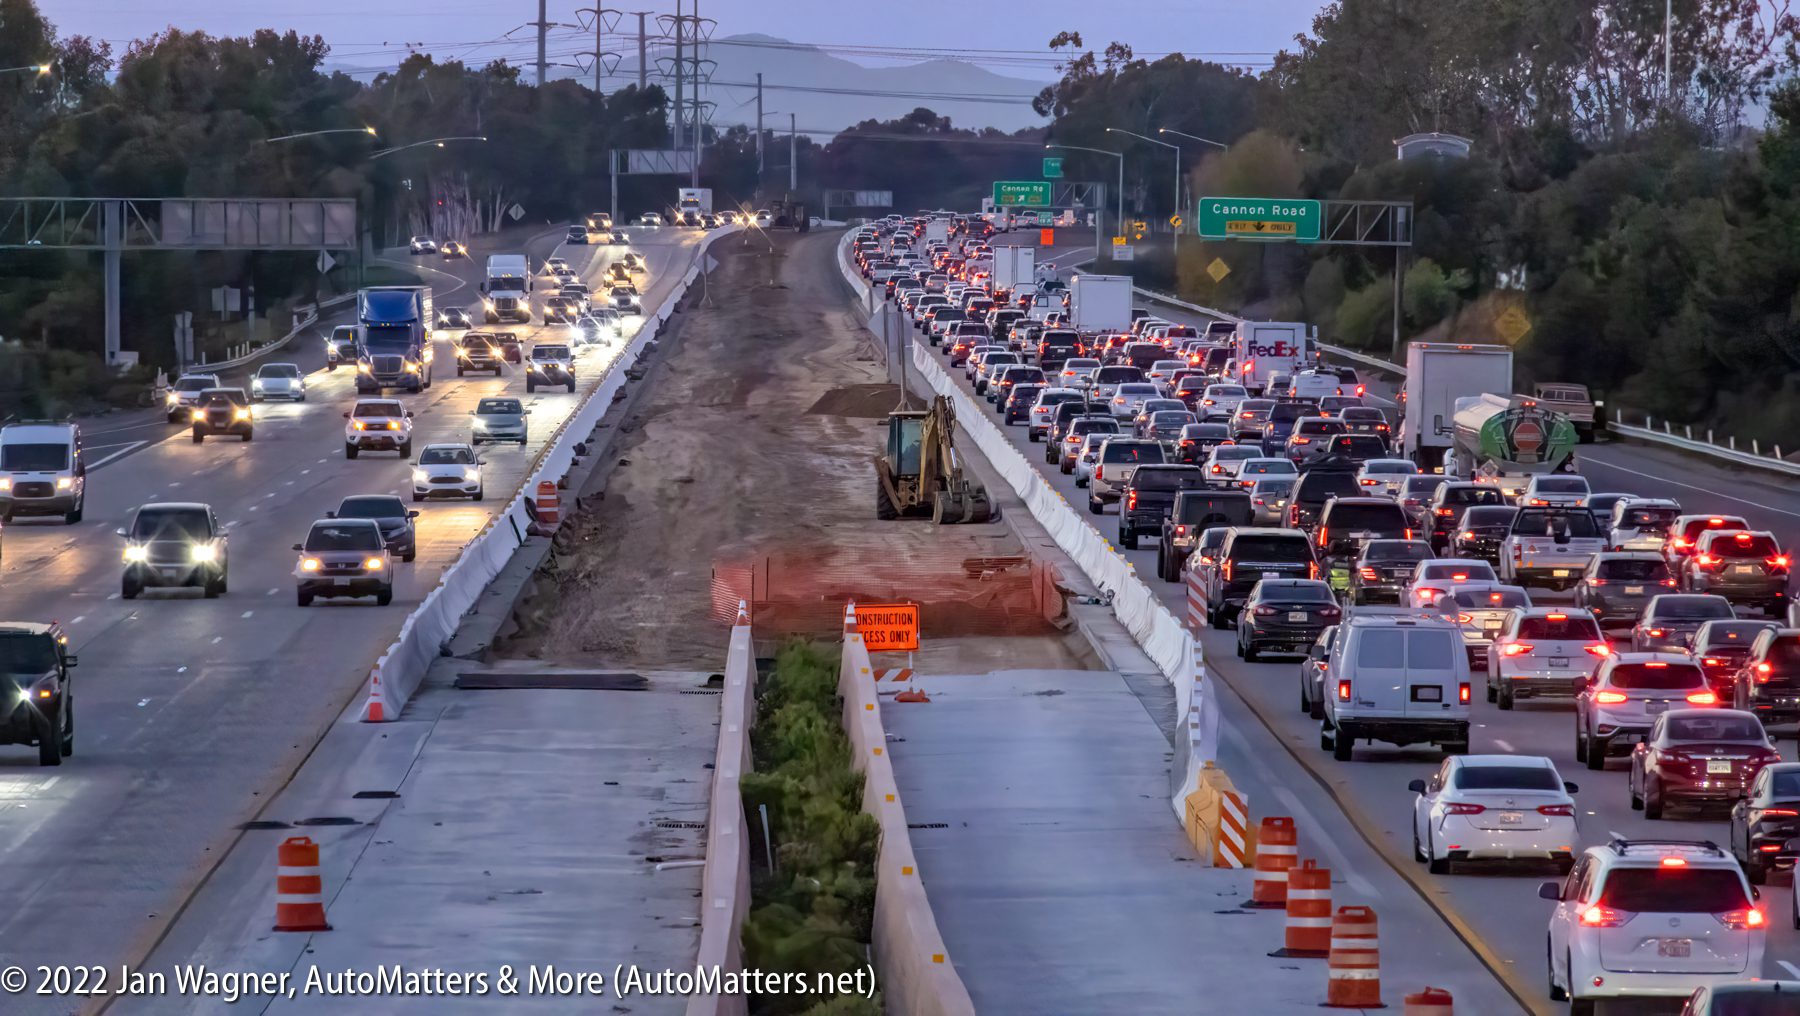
x=505, y=291
x=694, y=199
x=1014, y=265
x=1263, y=349
x=1100, y=303
x=1437, y=374
x=937, y=229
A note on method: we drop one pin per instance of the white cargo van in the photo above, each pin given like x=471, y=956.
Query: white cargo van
x=42, y=470
x=1399, y=678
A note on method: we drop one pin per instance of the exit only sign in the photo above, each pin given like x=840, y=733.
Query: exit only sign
x=1259, y=218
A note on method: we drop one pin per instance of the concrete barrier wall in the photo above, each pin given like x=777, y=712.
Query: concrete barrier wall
x=725, y=885
x=916, y=973
x=396, y=675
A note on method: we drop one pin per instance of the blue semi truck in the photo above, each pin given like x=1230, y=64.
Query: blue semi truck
x=393, y=338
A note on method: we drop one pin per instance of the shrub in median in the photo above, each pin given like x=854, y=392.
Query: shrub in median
x=814, y=914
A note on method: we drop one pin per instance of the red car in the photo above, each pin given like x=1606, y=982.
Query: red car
x=1698, y=757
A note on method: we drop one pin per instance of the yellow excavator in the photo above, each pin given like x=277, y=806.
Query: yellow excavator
x=920, y=474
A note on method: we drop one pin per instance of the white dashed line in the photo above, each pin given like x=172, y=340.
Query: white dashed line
x=250, y=613
x=218, y=639
x=272, y=592
x=143, y=702
x=1504, y=746
x=112, y=596
x=1789, y=967
x=180, y=670
x=79, y=618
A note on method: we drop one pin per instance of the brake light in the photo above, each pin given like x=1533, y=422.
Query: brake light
x=1669, y=582
x=1705, y=560
x=1712, y=661
x=1655, y=633
x=1740, y=920
x=1264, y=611
x=1445, y=513
x=1463, y=809
x=1227, y=570
x=1131, y=499
x=1368, y=482
x=1596, y=582
x=1604, y=917
x=1367, y=573
x=1703, y=698
x=1324, y=535
x=1778, y=561
x=1611, y=698
x=1312, y=570
x=1516, y=649
x=1781, y=812
x=1599, y=648
x=1462, y=693
x=1557, y=809
x=1680, y=541
x=1343, y=691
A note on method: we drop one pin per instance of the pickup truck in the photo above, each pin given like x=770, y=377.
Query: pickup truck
x=1550, y=546
x=1572, y=401
x=1148, y=496
x=1192, y=512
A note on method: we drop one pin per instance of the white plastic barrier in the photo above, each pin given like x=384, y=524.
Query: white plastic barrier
x=397, y=674
x=725, y=884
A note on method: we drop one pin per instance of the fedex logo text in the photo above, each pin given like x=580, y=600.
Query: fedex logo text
x=1278, y=348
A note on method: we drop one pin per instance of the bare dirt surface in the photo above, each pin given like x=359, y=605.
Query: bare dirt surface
x=746, y=473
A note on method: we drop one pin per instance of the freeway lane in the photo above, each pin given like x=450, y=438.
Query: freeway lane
x=189, y=712
x=1498, y=908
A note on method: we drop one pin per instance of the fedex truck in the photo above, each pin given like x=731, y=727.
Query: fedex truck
x=1263, y=349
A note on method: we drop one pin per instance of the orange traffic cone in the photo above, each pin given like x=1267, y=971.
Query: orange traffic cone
x=299, y=891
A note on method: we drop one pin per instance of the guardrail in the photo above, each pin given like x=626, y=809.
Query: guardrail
x=402, y=666
x=725, y=883
x=1755, y=458
x=311, y=318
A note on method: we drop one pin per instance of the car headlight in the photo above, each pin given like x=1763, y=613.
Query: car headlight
x=198, y=415
x=256, y=384
x=359, y=425
x=362, y=366
x=309, y=564
x=205, y=552
x=393, y=425
x=372, y=564
x=489, y=304
x=5, y=483
x=420, y=476
x=462, y=353
x=412, y=368
x=64, y=482
x=174, y=399
x=480, y=424
x=471, y=474
x=243, y=414
x=136, y=552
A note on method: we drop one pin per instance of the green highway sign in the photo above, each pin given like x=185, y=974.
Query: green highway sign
x=1053, y=168
x=1025, y=193
x=1259, y=218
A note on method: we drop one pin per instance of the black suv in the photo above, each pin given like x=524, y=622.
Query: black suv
x=1349, y=522
x=223, y=411
x=1383, y=568
x=35, y=664
x=1323, y=480
x=1480, y=532
x=173, y=544
x=1247, y=557
x=391, y=514
x=1195, y=511
x=1149, y=495
x=1284, y=616
x=1768, y=684
x=1448, y=504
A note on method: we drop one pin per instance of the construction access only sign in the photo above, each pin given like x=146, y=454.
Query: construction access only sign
x=888, y=627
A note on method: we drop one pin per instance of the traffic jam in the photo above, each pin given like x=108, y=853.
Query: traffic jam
x=1425, y=578
x=358, y=544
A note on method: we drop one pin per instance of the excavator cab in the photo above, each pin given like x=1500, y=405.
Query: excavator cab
x=919, y=474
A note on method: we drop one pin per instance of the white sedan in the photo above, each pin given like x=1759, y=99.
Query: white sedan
x=278, y=381
x=1495, y=808
x=447, y=470
x=1384, y=477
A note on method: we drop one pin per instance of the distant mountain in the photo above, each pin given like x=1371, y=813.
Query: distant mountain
x=827, y=93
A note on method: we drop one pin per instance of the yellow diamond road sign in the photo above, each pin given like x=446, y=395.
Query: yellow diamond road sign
x=1175, y=220
x=1512, y=324
x=1218, y=269
x=1118, y=241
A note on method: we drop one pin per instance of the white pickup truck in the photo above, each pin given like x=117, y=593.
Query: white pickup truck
x=1550, y=546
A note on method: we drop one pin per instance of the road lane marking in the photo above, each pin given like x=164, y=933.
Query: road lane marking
x=180, y=670
x=124, y=449
x=250, y=613
x=79, y=618
x=112, y=596
x=218, y=639
x=1789, y=967
x=1504, y=746
x=272, y=592
x=1589, y=457
x=143, y=702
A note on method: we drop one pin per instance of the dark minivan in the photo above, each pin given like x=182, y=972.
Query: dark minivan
x=1249, y=556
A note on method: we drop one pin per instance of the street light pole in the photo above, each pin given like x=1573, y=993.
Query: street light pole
x=370, y=131
x=417, y=144
x=1177, y=149
x=33, y=68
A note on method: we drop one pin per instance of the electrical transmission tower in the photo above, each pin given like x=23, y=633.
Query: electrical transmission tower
x=688, y=70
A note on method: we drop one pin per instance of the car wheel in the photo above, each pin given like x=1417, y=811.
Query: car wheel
x=50, y=743
x=1596, y=754
x=1581, y=1007
x=1067, y=468
x=1326, y=741
x=1506, y=697
x=349, y=450
x=1433, y=863
x=1249, y=652
x=212, y=588
x=1637, y=799
x=1557, y=994
x=1653, y=802
x=1128, y=538
x=530, y=385
x=248, y=435
x=417, y=497
x=1756, y=871
x=1341, y=745
x=303, y=598
x=1032, y=436
x=411, y=552
x=406, y=449
x=477, y=495
x=1493, y=695
x=199, y=437
x=385, y=596
x=1418, y=851
x=1095, y=506
x=67, y=742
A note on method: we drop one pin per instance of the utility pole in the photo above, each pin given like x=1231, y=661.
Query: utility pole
x=1668, y=52
x=643, y=52
x=680, y=24
x=694, y=172
x=759, y=129
x=793, y=157
x=600, y=54
x=542, y=24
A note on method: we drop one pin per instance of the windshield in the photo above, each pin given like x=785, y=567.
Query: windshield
x=1633, y=569
x=1357, y=517
x=328, y=537
x=1491, y=599
x=1235, y=453
x=1398, y=466
x=387, y=339
x=26, y=653
x=1295, y=592
x=377, y=409
x=1451, y=569
x=1716, y=726
x=446, y=457
x=224, y=397
x=1183, y=478
x=278, y=370
x=1506, y=778
x=1561, y=485
x=1131, y=451
x=1649, y=518
x=1487, y=515
x=196, y=384
x=1117, y=375
x=171, y=524
x=550, y=352
x=499, y=407
x=1560, y=627
x=1281, y=466
x=1573, y=524
x=1745, y=545
x=1286, y=549
x=1396, y=550
x=1472, y=495
x=1785, y=784
x=1674, y=890
x=1421, y=486
x=371, y=508
x=1691, y=607
x=1275, y=488
x=1319, y=487
x=1657, y=676
x=29, y=457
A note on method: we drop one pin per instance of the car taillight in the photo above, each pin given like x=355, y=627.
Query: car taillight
x=1131, y=499
x=1705, y=560
x=1780, y=813
x=1462, y=693
x=1680, y=541
x=1741, y=920
x=1463, y=809
x=1367, y=573
x=1445, y=512
x=1596, y=582
x=1265, y=611
x=1654, y=633
x=1599, y=648
x=1703, y=698
x=1343, y=691
x=1669, y=582
x=1603, y=917
x=1567, y=810
x=1516, y=649
x=1369, y=483
x=1778, y=561
x=1312, y=570
x=1324, y=535
x=1611, y=698
x=1329, y=612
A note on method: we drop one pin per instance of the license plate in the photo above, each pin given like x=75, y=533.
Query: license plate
x=1560, y=573
x=1718, y=767
x=1559, y=661
x=1297, y=615
x=1634, y=590
x=1511, y=817
x=1492, y=629
x=1744, y=569
x=340, y=582
x=1675, y=948
x=1656, y=707
x=1427, y=693
x=1271, y=575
